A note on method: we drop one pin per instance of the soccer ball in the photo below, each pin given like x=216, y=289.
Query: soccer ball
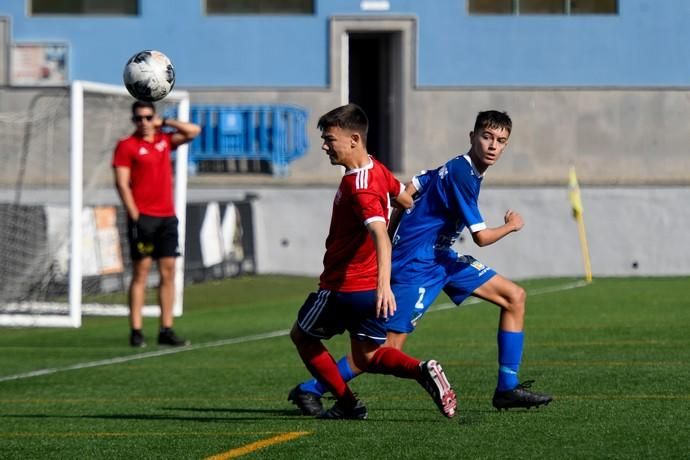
x=149, y=75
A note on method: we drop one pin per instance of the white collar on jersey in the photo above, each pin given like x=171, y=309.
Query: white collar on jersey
x=474, y=168
x=356, y=170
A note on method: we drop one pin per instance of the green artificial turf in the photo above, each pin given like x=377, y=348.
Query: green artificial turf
x=615, y=354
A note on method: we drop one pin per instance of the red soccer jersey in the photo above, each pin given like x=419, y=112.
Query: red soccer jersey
x=363, y=197
x=151, y=175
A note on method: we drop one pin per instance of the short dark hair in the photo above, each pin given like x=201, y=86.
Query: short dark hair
x=350, y=116
x=143, y=105
x=493, y=119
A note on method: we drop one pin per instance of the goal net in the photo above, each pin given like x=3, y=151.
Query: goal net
x=62, y=230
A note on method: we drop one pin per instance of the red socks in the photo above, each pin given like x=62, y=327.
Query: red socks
x=387, y=360
x=323, y=367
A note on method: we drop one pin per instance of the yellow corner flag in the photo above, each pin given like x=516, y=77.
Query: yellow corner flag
x=574, y=193
x=576, y=202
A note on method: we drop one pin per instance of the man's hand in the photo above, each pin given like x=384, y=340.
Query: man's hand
x=514, y=219
x=157, y=121
x=385, y=302
x=143, y=233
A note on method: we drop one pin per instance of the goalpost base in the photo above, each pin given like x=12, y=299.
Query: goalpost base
x=55, y=314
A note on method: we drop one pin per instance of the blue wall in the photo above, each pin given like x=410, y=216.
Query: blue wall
x=644, y=45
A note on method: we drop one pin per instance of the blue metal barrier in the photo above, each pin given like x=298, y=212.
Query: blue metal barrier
x=274, y=133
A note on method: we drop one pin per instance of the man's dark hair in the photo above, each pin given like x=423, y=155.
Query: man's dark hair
x=350, y=116
x=143, y=105
x=493, y=119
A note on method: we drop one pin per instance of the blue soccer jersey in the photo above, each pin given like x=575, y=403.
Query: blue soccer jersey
x=423, y=261
x=447, y=204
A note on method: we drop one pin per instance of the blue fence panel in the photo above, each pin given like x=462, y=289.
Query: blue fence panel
x=274, y=133
x=231, y=131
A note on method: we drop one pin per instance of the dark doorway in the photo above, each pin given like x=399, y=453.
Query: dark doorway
x=374, y=79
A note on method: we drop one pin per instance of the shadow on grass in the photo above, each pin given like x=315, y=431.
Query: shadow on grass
x=261, y=414
x=466, y=418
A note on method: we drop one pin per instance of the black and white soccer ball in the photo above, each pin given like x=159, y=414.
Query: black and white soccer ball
x=149, y=75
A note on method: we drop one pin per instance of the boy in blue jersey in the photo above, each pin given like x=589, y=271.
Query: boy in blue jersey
x=424, y=262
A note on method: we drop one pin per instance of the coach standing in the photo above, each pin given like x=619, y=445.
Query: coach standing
x=144, y=181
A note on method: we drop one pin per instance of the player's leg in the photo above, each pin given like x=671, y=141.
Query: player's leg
x=412, y=302
x=366, y=337
x=395, y=340
x=166, y=290
x=141, y=266
x=391, y=361
x=511, y=299
x=320, y=317
x=322, y=366
x=137, y=295
x=166, y=244
x=313, y=389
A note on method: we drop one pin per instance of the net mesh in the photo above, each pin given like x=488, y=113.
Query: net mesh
x=34, y=199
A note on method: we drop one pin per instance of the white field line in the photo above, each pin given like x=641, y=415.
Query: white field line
x=546, y=290
x=245, y=339
x=151, y=354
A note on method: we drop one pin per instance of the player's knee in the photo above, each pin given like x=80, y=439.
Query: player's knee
x=166, y=268
x=395, y=340
x=361, y=361
x=140, y=271
x=139, y=277
x=167, y=277
x=296, y=335
x=518, y=300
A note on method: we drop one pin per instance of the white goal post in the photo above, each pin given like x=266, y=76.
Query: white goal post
x=52, y=314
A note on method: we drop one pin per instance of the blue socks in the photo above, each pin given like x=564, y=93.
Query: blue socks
x=509, y=357
x=316, y=387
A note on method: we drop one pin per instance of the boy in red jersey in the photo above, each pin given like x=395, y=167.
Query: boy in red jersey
x=354, y=289
x=143, y=177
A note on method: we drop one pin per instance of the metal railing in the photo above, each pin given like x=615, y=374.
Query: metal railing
x=273, y=133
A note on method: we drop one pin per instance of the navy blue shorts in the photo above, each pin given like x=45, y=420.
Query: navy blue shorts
x=328, y=313
x=153, y=237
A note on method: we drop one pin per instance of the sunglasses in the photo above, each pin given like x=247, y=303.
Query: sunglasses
x=136, y=118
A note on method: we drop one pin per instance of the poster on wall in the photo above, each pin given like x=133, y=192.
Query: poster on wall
x=107, y=241
x=36, y=64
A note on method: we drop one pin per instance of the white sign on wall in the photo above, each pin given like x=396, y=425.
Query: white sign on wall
x=38, y=64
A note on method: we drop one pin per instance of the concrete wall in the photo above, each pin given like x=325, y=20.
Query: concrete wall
x=631, y=231
x=612, y=136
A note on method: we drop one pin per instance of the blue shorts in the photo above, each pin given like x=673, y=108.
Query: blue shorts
x=328, y=313
x=462, y=276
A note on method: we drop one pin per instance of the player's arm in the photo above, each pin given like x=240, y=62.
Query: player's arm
x=512, y=223
x=122, y=181
x=385, y=300
x=397, y=212
x=404, y=200
x=184, y=132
